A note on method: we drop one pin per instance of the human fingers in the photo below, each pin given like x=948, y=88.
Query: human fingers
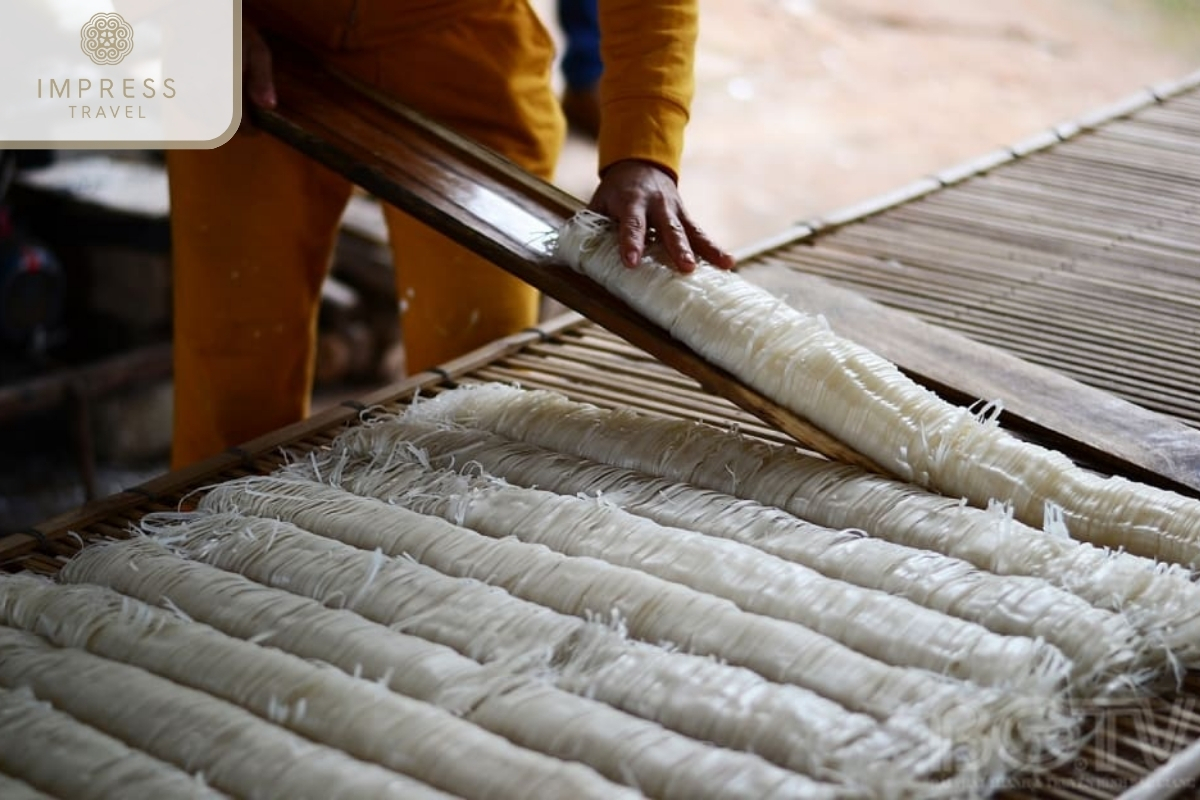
x=705, y=247
x=627, y=206
x=666, y=218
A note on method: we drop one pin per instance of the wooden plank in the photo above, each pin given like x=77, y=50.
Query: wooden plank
x=486, y=204
x=1087, y=423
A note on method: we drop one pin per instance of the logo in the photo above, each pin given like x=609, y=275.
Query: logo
x=150, y=73
x=106, y=39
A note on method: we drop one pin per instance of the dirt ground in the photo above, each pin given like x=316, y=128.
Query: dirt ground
x=807, y=106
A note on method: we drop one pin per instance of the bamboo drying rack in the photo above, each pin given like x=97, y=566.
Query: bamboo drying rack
x=1075, y=249
x=1149, y=751
x=588, y=363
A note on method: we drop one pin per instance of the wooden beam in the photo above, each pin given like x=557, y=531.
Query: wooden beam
x=485, y=203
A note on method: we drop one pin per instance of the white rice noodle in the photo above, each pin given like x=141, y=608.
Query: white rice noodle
x=696, y=696
x=357, y=717
x=1107, y=654
x=509, y=698
x=237, y=752
x=866, y=402
x=47, y=749
x=889, y=629
x=143, y=568
x=656, y=610
x=1157, y=599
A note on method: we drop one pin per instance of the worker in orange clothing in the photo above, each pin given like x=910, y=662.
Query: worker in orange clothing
x=254, y=221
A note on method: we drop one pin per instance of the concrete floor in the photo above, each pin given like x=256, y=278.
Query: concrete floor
x=806, y=106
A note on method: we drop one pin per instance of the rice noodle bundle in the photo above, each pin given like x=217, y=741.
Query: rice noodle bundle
x=36, y=741
x=510, y=697
x=866, y=402
x=993, y=724
x=1158, y=599
x=699, y=697
x=237, y=752
x=1108, y=655
x=356, y=717
x=883, y=627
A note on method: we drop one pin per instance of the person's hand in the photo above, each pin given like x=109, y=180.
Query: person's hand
x=258, y=80
x=640, y=195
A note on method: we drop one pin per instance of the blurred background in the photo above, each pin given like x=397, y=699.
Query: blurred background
x=806, y=106
x=802, y=107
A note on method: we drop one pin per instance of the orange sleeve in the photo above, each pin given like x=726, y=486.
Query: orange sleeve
x=648, y=50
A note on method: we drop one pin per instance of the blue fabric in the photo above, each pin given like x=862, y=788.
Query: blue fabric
x=580, y=23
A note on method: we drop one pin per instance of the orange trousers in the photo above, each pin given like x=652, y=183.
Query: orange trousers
x=253, y=222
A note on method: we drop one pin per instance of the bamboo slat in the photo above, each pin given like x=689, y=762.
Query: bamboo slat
x=1080, y=256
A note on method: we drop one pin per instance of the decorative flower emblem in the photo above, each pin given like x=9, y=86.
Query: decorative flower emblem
x=107, y=38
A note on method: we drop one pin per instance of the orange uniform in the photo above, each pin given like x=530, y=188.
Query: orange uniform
x=254, y=222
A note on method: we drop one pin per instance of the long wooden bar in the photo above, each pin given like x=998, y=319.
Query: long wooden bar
x=485, y=203
x=499, y=211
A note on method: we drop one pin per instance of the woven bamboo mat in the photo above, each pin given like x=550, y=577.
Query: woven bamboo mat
x=577, y=358
x=1077, y=250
